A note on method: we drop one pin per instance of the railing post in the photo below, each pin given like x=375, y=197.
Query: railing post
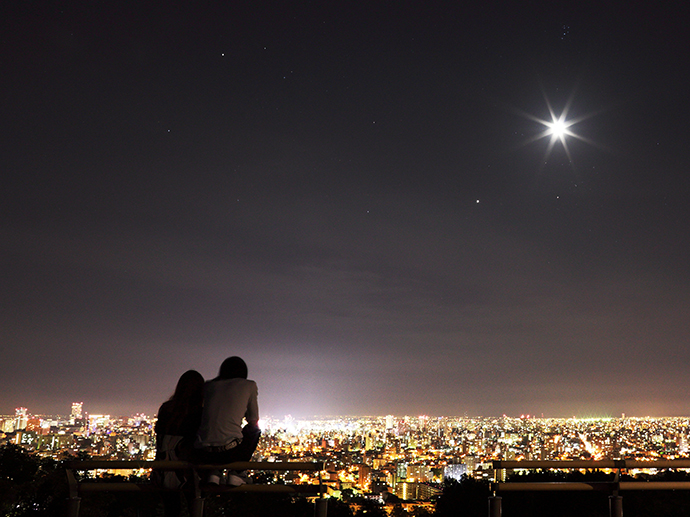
x=74, y=500
x=321, y=508
x=197, y=509
x=73, y=506
x=494, y=506
x=615, y=506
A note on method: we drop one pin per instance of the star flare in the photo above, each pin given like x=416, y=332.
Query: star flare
x=558, y=128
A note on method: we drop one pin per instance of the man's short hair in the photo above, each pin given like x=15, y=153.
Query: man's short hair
x=232, y=368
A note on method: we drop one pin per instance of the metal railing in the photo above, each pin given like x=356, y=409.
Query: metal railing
x=612, y=487
x=78, y=487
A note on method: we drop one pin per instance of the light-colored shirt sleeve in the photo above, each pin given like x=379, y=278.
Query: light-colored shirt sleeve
x=252, y=413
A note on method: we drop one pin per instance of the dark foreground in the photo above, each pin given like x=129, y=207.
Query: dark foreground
x=32, y=486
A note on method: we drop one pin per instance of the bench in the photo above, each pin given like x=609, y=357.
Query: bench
x=79, y=487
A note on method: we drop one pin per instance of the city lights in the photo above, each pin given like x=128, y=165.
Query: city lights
x=403, y=455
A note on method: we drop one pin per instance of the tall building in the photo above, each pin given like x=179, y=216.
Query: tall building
x=390, y=422
x=364, y=477
x=21, y=418
x=77, y=408
x=401, y=470
x=368, y=442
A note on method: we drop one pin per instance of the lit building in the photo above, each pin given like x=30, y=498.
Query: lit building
x=77, y=411
x=7, y=425
x=21, y=418
x=98, y=421
x=390, y=422
x=364, y=476
x=418, y=473
x=401, y=470
x=455, y=471
x=368, y=442
x=34, y=425
x=407, y=491
x=427, y=492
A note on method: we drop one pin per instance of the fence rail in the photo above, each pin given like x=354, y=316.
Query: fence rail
x=612, y=487
x=592, y=464
x=78, y=487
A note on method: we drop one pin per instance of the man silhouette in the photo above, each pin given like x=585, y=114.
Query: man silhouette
x=228, y=399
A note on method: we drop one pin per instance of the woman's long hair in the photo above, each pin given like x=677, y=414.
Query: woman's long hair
x=187, y=399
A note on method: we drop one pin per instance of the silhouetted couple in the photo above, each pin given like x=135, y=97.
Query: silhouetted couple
x=202, y=422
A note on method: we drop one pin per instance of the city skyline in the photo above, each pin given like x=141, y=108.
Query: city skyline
x=289, y=417
x=383, y=459
x=133, y=412
x=390, y=208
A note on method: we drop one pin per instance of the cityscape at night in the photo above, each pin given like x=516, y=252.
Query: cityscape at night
x=409, y=456
x=392, y=462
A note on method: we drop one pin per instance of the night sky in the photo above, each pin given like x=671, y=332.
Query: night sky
x=352, y=197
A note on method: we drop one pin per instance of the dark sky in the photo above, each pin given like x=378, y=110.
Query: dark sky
x=351, y=198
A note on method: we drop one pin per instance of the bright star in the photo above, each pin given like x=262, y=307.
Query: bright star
x=558, y=128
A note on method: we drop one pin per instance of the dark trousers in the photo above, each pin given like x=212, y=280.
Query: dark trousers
x=243, y=452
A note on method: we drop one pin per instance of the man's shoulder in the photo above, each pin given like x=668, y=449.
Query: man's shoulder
x=235, y=383
x=249, y=384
